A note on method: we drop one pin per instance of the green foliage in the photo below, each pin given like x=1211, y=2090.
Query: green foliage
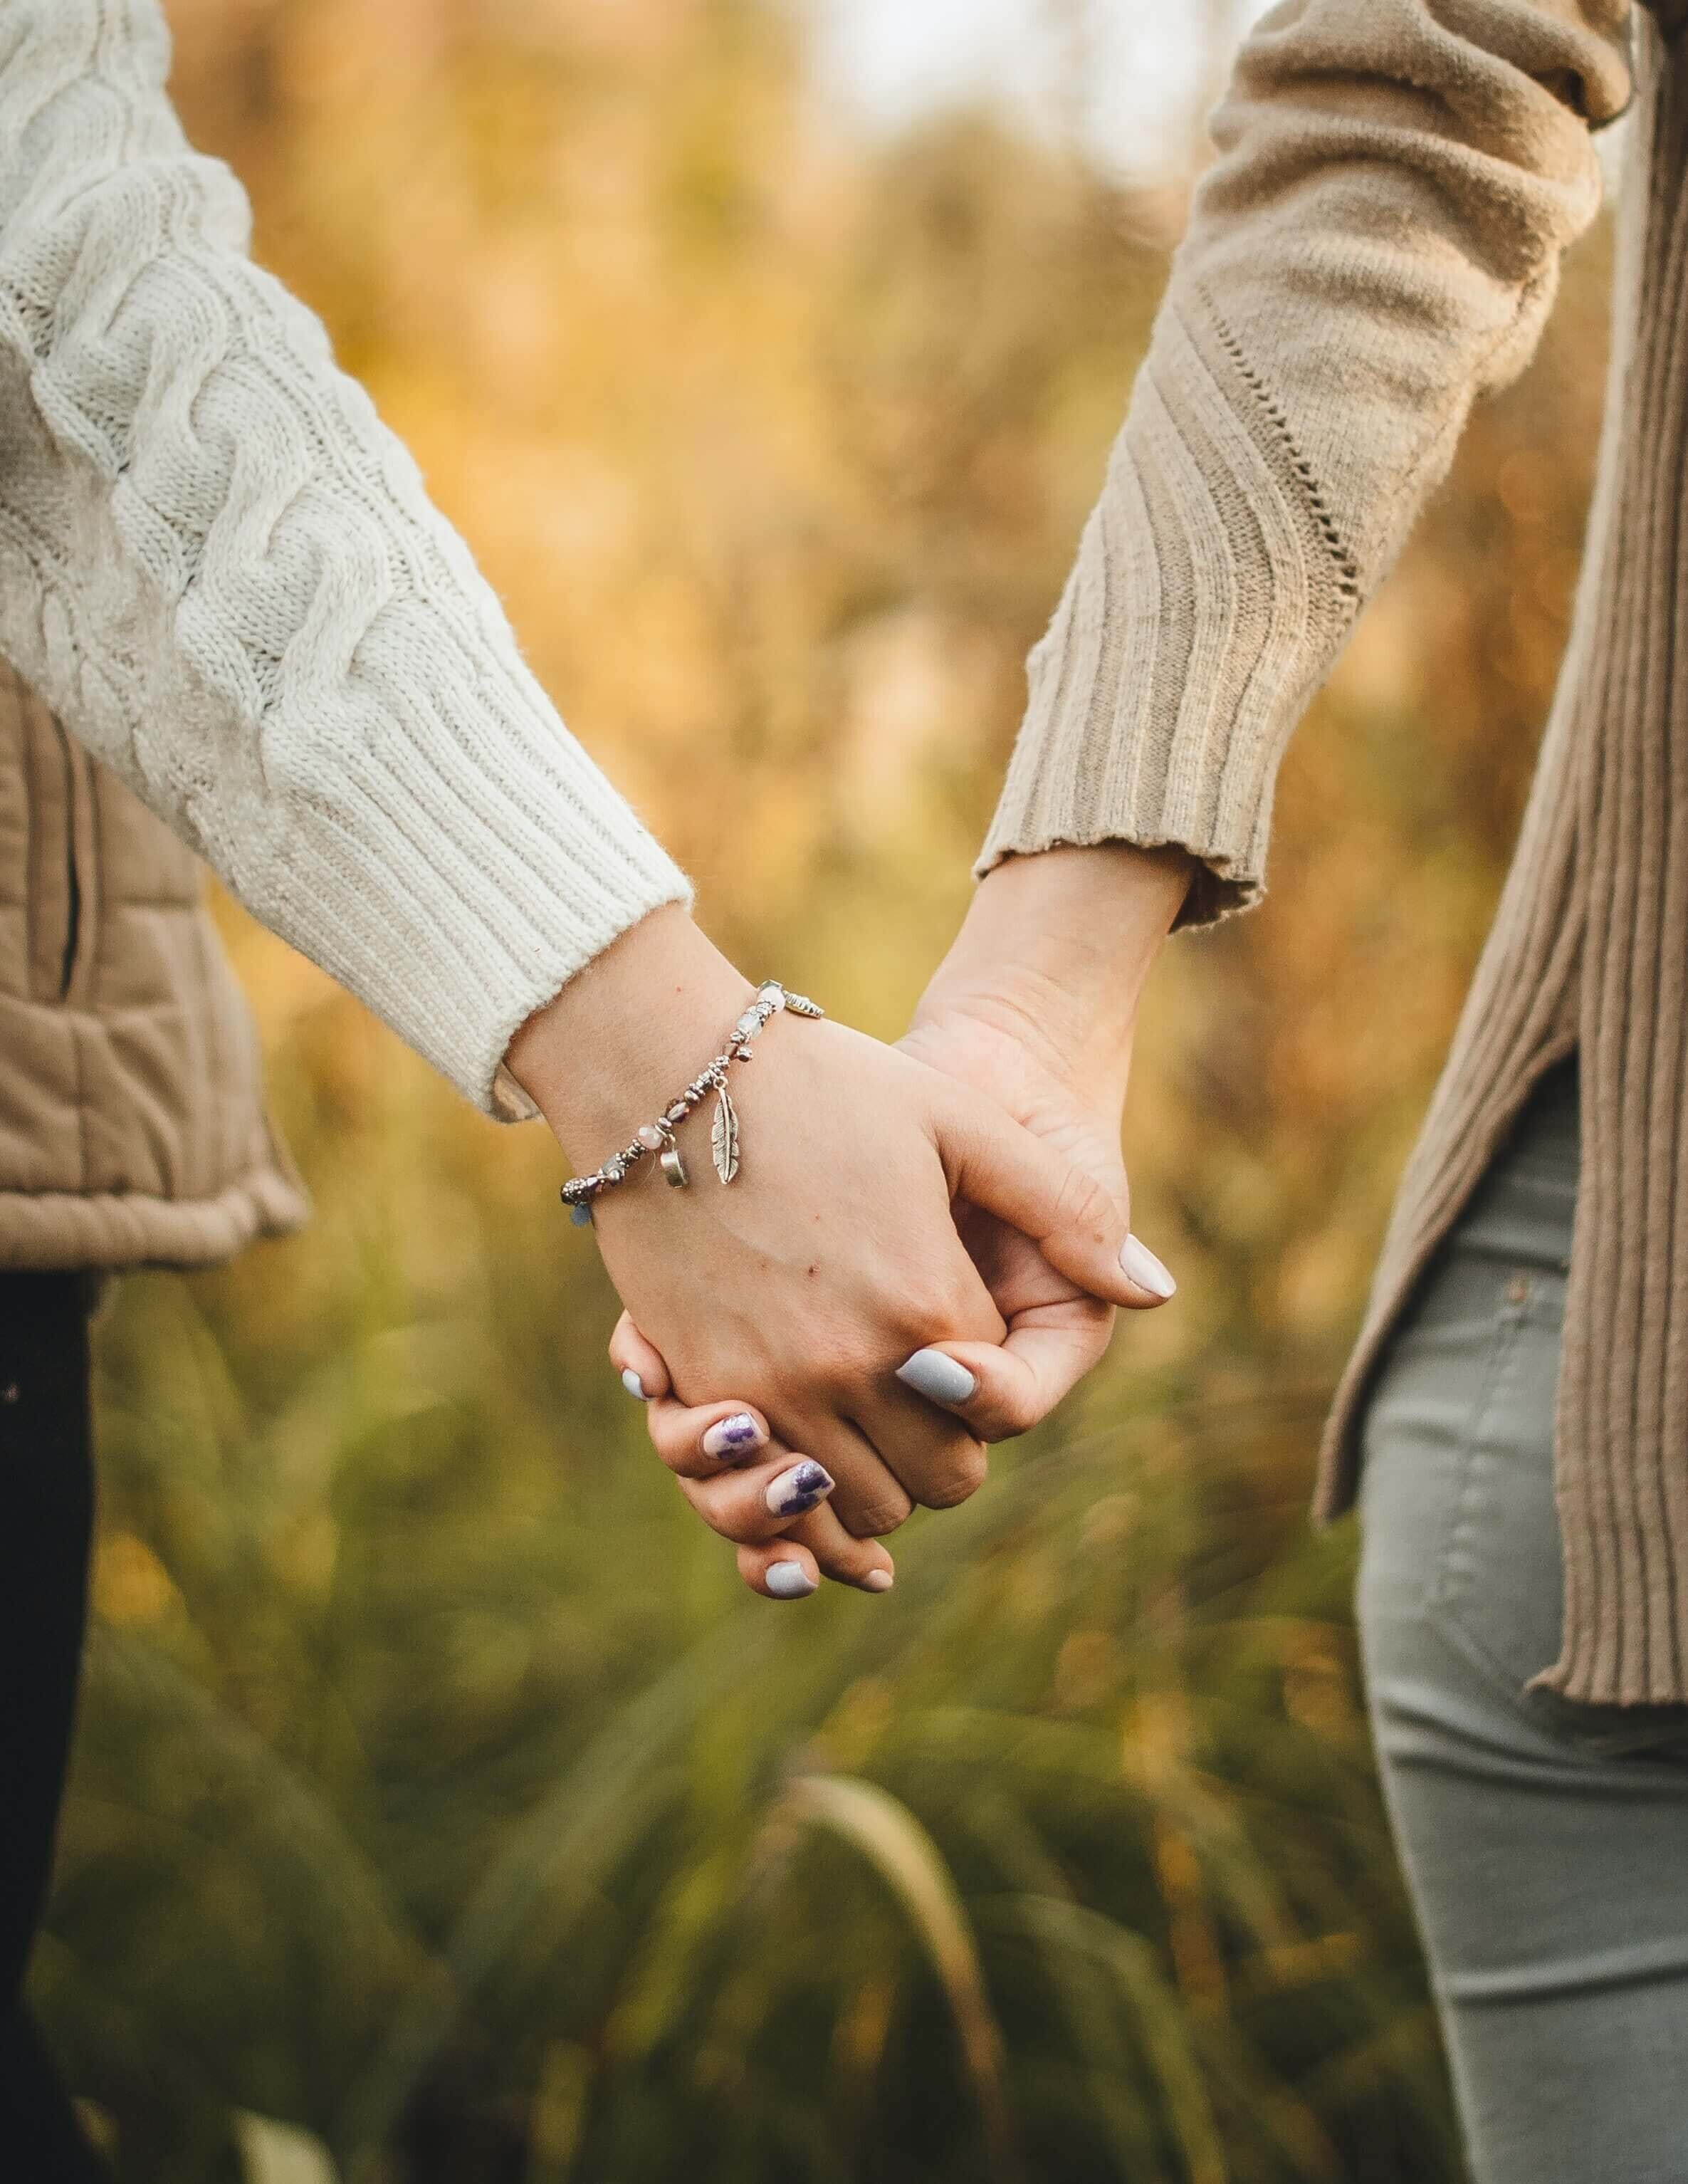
x=430, y=1800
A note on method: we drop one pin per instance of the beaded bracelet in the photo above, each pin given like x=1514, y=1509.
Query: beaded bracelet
x=578, y=1193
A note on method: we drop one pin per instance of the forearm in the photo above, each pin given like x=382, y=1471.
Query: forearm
x=629, y=1031
x=1055, y=949
x=227, y=577
x=1376, y=245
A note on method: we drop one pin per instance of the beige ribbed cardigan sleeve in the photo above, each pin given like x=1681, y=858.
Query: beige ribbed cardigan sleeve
x=1377, y=245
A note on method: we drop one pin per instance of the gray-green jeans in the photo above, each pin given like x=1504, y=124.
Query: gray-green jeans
x=1546, y=1844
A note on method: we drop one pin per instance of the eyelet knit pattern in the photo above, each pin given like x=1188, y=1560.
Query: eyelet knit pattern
x=1376, y=246
x=225, y=576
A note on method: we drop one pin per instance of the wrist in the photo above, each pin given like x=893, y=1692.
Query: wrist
x=626, y=1033
x=1057, y=945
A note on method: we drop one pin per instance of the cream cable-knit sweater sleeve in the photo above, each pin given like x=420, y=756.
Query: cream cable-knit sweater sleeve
x=226, y=576
x=1377, y=245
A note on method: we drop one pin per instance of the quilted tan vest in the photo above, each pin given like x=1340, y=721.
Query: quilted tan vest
x=132, y=1127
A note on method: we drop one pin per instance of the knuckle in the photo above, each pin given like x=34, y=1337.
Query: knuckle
x=952, y=1312
x=927, y=1307
x=719, y=1521
x=1081, y=1203
x=1015, y=1412
x=957, y=1480
x=851, y=1559
x=741, y=1526
x=835, y=1367
x=676, y=1451
x=884, y=1514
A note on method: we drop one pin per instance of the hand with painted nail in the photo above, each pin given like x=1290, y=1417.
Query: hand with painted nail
x=1034, y=1004
x=798, y=1290
x=748, y=1486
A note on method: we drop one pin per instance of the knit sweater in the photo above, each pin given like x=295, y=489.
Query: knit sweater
x=225, y=577
x=1375, y=247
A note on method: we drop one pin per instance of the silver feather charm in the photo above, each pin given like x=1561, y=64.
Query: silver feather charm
x=724, y=1137
x=801, y=1005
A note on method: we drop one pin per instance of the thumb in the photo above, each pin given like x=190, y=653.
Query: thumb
x=998, y=1165
x=1015, y=1383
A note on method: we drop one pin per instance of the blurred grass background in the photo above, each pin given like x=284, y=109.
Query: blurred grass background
x=438, y=1791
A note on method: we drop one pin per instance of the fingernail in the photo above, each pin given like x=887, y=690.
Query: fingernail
x=733, y=1435
x=634, y=1386
x=936, y=1375
x=799, y=1489
x=877, y=1581
x=788, y=1581
x=1144, y=1268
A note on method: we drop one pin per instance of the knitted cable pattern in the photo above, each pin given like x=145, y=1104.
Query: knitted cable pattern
x=225, y=576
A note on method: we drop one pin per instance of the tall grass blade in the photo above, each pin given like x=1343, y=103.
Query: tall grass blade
x=278, y=2154
x=894, y=1843
x=1154, y=2006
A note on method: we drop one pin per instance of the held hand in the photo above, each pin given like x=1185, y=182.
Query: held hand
x=1054, y=1331
x=1034, y=1004
x=748, y=1486
x=805, y=1283
x=1037, y=1002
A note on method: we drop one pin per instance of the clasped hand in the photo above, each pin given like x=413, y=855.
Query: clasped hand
x=922, y=1254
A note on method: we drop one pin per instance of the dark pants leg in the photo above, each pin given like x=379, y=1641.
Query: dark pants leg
x=46, y=1519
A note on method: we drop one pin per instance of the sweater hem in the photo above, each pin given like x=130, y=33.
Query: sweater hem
x=56, y=1232
x=1216, y=890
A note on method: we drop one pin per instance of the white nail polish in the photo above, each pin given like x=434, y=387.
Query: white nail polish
x=788, y=1581
x=877, y=1581
x=1139, y=1264
x=935, y=1374
x=634, y=1386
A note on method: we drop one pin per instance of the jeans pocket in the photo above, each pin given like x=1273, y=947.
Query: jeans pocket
x=1497, y=1586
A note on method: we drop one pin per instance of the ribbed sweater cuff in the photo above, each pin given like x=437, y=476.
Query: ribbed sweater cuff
x=226, y=576
x=1205, y=605
x=456, y=863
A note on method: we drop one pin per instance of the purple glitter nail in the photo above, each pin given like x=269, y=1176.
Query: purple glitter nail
x=799, y=1489
x=733, y=1435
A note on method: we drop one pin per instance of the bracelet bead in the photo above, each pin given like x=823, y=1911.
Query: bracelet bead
x=578, y=1193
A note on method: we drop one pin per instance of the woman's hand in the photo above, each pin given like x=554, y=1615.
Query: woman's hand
x=1034, y=1006
x=806, y=1283
x=748, y=1486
